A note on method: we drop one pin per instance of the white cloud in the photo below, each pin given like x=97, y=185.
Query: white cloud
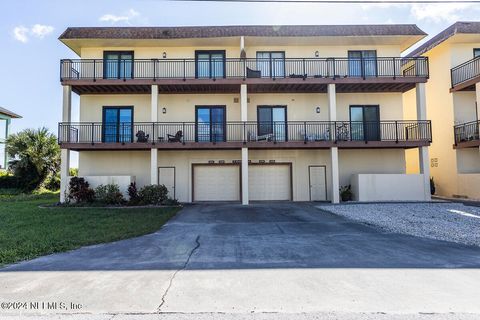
x=22, y=33
x=112, y=18
x=449, y=12
x=40, y=30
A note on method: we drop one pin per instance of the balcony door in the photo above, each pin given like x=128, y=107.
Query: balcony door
x=118, y=64
x=117, y=124
x=362, y=63
x=272, y=122
x=365, y=123
x=210, y=124
x=210, y=64
x=271, y=64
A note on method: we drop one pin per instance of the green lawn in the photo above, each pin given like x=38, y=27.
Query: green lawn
x=27, y=231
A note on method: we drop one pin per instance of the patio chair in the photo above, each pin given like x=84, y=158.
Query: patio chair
x=264, y=137
x=253, y=73
x=175, y=138
x=141, y=136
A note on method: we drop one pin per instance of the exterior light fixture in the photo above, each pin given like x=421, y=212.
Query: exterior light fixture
x=317, y=109
x=164, y=55
x=164, y=110
x=317, y=54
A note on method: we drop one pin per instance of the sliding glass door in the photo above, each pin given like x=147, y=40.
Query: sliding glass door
x=117, y=124
x=272, y=122
x=210, y=124
x=118, y=64
x=209, y=64
x=271, y=64
x=362, y=63
x=365, y=123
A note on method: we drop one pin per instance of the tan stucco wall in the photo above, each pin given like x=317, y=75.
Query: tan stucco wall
x=446, y=109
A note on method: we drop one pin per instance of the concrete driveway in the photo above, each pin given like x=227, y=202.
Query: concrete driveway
x=275, y=257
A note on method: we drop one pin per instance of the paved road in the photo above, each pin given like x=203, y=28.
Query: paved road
x=277, y=257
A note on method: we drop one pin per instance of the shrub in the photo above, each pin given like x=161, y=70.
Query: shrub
x=346, y=193
x=109, y=194
x=52, y=183
x=134, y=198
x=79, y=190
x=8, y=181
x=73, y=172
x=153, y=194
x=432, y=186
x=171, y=202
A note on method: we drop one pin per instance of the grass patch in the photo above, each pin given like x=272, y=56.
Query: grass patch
x=27, y=231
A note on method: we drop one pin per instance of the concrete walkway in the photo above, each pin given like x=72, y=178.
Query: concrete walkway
x=277, y=257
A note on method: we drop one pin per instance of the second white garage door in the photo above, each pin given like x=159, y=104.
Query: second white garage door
x=269, y=182
x=216, y=183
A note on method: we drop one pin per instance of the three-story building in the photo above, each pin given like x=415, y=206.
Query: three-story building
x=244, y=113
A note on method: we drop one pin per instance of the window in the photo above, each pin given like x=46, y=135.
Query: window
x=271, y=63
x=210, y=123
x=117, y=124
x=272, y=122
x=476, y=52
x=118, y=64
x=365, y=123
x=362, y=63
x=209, y=64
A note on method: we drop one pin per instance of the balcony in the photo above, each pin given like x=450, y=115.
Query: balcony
x=235, y=135
x=465, y=76
x=467, y=134
x=397, y=74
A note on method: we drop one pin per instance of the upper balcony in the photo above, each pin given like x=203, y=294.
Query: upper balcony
x=465, y=76
x=467, y=134
x=380, y=74
x=251, y=134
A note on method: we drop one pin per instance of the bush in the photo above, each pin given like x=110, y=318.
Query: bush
x=8, y=181
x=109, y=194
x=52, y=183
x=153, y=194
x=134, y=198
x=79, y=190
x=171, y=202
x=432, y=186
x=346, y=193
x=73, y=172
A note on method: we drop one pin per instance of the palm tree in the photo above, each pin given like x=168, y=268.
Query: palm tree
x=36, y=156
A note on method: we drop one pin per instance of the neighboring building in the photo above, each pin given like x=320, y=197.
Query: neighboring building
x=243, y=113
x=453, y=93
x=6, y=117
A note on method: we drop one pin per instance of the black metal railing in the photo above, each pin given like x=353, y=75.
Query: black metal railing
x=468, y=131
x=237, y=68
x=466, y=71
x=250, y=131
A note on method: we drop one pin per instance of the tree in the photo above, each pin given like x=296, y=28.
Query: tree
x=36, y=157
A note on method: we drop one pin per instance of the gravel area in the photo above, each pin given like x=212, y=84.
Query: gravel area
x=442, y=221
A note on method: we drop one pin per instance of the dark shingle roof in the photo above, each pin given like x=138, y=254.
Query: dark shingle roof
x=466, y=27
x=232, y=31
x=9, y=113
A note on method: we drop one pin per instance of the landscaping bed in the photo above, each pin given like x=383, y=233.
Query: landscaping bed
x=26, y=231
x=442, y=221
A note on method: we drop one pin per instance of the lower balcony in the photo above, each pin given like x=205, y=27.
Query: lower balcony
x=235, y=135
x=467, y=134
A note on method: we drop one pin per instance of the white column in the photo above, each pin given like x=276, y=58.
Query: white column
x=65, y=153
x=154, y=151
x=154, y=105
x=244, y=117
x=332, y=116
x=7, y=132
x=245, y=199
x=154, y=166
x=477, y=102
x=423, y=157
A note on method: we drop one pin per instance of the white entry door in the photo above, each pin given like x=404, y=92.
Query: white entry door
x=318, y=184
x=216, y=182
x=269, y=182
x=166, y=176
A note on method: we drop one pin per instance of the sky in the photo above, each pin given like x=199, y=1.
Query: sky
x=29, y=31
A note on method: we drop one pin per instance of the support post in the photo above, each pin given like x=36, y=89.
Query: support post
x=7, y=132
x=332, y=116
x=65, y=153
x=154, y=104
x=423, y=156
x=245, y=199
x=477, y=105
x=154, y=166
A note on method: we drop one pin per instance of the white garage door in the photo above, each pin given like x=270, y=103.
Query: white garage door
x=269, y=182
x=216, y=183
